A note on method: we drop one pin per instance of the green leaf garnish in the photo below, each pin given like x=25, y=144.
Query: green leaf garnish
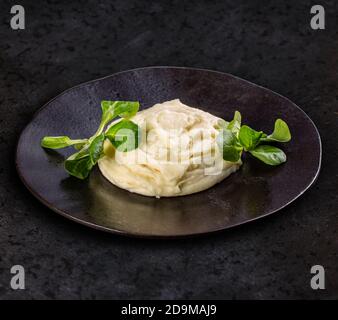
x=233, y=139
x=124, y=135
x=249, y=138
x=96, y=148
x=229, y=145
x=123, y=109
x=79, y=168
x=235, y=123
x=269, y=154
x=60, y=142
x=281, y=132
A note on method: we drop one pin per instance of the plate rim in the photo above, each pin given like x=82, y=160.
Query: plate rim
x=144, y=235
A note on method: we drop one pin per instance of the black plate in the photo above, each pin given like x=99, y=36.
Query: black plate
x=255, y=191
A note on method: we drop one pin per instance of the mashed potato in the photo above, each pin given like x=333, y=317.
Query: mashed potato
x=177, y=155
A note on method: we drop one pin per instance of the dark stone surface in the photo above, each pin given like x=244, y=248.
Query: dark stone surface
x=270, y=43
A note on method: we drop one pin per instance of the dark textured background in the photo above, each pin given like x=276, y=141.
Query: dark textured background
x=267, y=42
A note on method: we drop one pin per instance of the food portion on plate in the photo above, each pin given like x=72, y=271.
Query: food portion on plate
x=170, y=149
x=177, y=154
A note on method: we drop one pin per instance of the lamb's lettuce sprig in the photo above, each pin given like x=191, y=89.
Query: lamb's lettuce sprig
x=235, y=138
x=124, y=135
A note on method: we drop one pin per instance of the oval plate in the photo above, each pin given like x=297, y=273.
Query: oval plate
x=255, y=191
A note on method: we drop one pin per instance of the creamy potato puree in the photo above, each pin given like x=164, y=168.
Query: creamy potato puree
x=177, y=155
